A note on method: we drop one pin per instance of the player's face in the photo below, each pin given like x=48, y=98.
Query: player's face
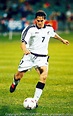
x=40, y=21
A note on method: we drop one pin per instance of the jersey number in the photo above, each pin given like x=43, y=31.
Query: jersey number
x=43, y=39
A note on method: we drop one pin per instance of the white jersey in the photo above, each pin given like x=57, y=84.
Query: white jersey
x=37, y=39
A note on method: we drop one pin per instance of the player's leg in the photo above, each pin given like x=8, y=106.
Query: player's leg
x=16, y=79
x=43, y=72
x=24, y=65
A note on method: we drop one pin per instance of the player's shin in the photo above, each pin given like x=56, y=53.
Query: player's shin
x=17, y=77
x=38, y=91
x=15, y=81
x=14, y=84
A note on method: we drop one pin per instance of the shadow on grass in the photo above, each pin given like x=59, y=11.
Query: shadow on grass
x=4, y=110
x=17, y=111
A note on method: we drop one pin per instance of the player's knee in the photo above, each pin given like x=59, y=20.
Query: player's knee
x=19, y=75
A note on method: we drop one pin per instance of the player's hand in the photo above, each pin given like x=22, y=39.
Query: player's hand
x=27, y=52
x=65, y=42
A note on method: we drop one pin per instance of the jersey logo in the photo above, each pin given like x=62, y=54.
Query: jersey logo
x=36, y=32
x=47, y=32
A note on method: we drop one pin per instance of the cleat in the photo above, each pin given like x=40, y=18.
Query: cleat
x=12, y=88
x=36, y=105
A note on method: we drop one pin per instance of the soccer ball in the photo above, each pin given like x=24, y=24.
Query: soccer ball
x=29, y=103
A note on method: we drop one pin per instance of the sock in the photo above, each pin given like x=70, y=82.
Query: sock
x=15, y=81
x=38, y=91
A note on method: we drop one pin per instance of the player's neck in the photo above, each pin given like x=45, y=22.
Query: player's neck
x=40, y=27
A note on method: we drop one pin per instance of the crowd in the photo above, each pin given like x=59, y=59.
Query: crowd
x=24, y=11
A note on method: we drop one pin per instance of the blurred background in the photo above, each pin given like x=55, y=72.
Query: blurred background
x=15, y=15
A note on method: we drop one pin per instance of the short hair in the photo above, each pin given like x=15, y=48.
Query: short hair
x=41, y=13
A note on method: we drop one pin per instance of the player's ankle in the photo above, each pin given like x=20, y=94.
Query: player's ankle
x=16, y=81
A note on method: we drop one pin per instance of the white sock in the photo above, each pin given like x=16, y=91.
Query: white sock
x=38, y=93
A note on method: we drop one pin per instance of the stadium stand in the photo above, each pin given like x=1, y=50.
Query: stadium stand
x=22, y=12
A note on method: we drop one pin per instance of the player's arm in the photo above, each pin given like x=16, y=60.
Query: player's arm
x=61, y=39
x=25, y=36
x=25, y=50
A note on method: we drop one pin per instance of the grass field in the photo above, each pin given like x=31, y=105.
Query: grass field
x=57, y=97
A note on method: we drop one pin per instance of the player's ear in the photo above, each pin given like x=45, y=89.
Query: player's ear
x=34, y=21
x=45, y=21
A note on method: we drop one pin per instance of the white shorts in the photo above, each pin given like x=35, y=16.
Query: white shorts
x=30, y=60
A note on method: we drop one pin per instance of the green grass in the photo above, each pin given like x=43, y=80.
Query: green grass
x=57, y=97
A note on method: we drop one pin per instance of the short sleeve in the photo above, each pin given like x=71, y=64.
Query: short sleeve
x=26, y=34
x=52, y=32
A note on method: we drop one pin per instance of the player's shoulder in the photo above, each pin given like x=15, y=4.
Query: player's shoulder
x=48, y=25
x=30, y=26
x=27, y=28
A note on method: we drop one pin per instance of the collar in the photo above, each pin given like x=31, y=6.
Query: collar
x=42, y=27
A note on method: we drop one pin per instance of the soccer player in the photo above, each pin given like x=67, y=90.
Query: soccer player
x=34, y=44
